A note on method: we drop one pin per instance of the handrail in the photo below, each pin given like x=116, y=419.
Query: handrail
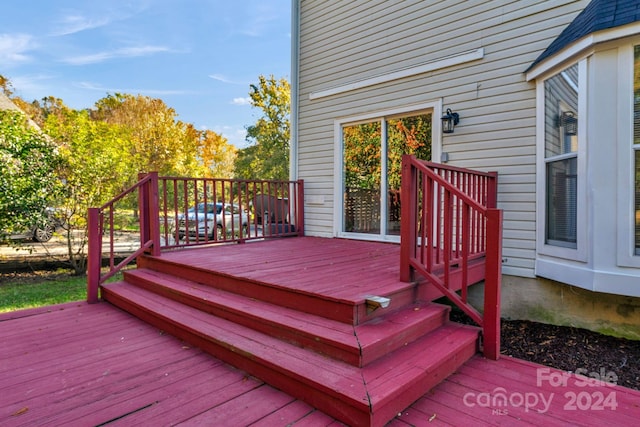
x=96, y=227
x=450, y=226
x=170, y=216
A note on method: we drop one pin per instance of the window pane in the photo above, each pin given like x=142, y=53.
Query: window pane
x=636, y=96
x=562, y=186
x=362, y=172
x=636, y=141
x=561, y=113
x=637, y=210
x=406, y=135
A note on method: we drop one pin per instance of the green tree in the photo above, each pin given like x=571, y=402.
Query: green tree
x=28, y=180
x=217, y=155
x=159, y=142
x=268, y=155
x=95, y=156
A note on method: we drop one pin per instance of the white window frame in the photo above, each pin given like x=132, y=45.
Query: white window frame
x=580, y=253
x=433, y=106
x=626, y=256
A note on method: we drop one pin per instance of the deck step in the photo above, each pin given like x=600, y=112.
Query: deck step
x=358, y=345
x=335, y=308
x=369, y=395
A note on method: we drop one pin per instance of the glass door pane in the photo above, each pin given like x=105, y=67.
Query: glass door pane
x=362, y=177
x=405, y=135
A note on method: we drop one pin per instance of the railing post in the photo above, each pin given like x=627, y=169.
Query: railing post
x=142, y=208
x=149, y=212
x=492, y=190
x=492, y=285
x=408, y=201
x=94, y=256
x=154, y=213
x=300, y=208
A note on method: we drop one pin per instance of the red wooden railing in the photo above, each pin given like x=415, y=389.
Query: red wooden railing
x=176, y=212
x=450, y=224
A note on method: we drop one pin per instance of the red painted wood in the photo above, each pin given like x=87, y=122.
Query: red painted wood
x=29, y=312
x=94, y=254
x=467, y=226
x=263, y=402
x=389, y=383
x=492, y=289
x=309, y=331
x=343, y=271
x=358, y=346
x=185, y=382
x=288, y=415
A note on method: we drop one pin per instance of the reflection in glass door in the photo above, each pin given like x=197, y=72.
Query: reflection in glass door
x=372, y=161
x=362, y=173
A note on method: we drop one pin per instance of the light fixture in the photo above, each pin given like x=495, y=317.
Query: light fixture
x=569, y=122
x=449, y=121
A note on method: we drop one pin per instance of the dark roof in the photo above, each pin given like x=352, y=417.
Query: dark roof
x=598, y=15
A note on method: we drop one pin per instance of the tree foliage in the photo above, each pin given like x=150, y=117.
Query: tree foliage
x=268, y=155
x=362, y=149
x=28, y=173
x=98, y=153
x=217, y=155
x=159, y=142
x=95, y=156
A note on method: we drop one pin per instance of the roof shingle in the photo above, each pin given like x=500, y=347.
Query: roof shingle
x=598, y=15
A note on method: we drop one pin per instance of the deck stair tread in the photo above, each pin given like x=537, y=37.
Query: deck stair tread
x=358, y=345
x=369, y=395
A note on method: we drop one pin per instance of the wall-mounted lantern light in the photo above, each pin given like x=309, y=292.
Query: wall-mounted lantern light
x=569, y=122
x=449, y=121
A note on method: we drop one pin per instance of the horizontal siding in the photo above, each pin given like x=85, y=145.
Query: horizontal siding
x=344, y=42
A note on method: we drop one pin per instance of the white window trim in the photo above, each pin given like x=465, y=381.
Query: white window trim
x=580, y=253
x=435, y=106
x=626, y=186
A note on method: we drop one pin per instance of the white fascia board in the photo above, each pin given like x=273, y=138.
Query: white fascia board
x=549, y=64
x=436, y=64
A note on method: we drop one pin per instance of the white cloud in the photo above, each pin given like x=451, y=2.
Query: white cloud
x=223, y=79
x=14, y=48
x=96, y=15
x=148, y=92
x=72, y=24
x=128, y=52
x=241, y=101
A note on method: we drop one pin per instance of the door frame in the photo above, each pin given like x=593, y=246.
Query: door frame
x=433, y=106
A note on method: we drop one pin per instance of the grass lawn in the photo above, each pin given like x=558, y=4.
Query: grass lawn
x=35, y=289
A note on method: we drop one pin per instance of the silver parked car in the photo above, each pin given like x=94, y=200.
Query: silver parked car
x=212, y=220
x=42, y=233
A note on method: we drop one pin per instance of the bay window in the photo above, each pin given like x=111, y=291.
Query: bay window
x=561, y=158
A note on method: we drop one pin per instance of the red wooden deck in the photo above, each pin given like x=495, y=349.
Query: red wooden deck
x=342, y=272
x=80, y=364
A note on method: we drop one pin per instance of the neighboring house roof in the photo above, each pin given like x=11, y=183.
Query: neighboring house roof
x=6, y=103
x=598, y=15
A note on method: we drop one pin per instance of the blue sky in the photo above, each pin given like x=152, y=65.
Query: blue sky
x=199, y=56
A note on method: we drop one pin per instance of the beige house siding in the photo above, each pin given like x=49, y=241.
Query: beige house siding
x=342, y=42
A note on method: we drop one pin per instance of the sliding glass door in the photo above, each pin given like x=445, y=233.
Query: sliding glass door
x=372, y=157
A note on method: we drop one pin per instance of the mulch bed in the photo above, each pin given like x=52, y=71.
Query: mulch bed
x=570, y=349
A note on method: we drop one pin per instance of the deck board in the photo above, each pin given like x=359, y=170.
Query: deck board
x=90, y=381
x=335, y=260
